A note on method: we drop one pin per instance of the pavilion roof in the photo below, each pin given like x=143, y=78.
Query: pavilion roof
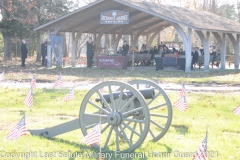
x=142, y=15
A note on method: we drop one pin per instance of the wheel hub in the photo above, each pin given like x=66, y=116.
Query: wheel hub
x=114, y=118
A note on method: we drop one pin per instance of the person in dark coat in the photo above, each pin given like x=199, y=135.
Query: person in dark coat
x=125, y=48
x=90, y=53
x=44, y=52
x=214, y=55
x=195, y=57
x=119, y=51
x=24, y=51
x=155, y=50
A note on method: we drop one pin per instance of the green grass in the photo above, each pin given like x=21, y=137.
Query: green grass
x=184, y=136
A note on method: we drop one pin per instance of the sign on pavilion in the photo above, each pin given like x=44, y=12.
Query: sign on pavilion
x=114, y=17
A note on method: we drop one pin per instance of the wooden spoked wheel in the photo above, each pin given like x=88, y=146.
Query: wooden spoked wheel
x=122, y=113
x=160, y=109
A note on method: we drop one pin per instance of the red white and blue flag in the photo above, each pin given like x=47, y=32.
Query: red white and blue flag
x=201, y=153
x=33, y=83
x=181, y=104
x=147, y=86
x=58, y=82
x=101, y=90
x=18, y=130
x=29, y=99
x=93, y=137
x=237, y=111
x=69, y=96
x=2, y=77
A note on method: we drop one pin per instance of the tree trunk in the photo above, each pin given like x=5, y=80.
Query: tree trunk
x=38, y=59
x=7, y=48
x=214, y=6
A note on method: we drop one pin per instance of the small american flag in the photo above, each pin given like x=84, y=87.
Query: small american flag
x=101, y=90
x=29, y=99
x=58, y=81
x=201, y=153
x=94, y=137
x=69, y=96
x=237, y=111
x=18, y=130
x=182, y=93
x=1, y=77
x=33, y=83
x=181, y=104
x=147, y=86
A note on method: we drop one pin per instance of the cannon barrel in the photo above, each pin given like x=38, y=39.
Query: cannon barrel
x=146, y=93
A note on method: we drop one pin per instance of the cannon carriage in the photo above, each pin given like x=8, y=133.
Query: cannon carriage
x=128, y=114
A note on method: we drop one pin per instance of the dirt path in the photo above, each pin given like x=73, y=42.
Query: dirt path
x=88, y=85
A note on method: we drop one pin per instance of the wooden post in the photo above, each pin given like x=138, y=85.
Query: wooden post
x=133, y=61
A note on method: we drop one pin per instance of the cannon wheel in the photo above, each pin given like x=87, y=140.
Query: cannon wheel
x=160, y=109
x=115, y=118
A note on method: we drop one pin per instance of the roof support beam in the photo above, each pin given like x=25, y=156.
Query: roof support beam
x=157, y=31
x=134, y=23
x=86, y=23
x=235, y=43
x=73, y=48
x=135, y=37
x=187, y=40
x=56, y=30
x=145, y=27
x=222, y=44
x=157, y=26
x=49, y=50
x=153, y=36
x=206, y=44
x=131, y=41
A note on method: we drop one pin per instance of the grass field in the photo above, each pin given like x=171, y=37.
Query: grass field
x=186, y=133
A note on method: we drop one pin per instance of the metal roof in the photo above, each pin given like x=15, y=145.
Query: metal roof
x=143, y=15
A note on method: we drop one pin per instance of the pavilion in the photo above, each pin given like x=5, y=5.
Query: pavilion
x=147, y=19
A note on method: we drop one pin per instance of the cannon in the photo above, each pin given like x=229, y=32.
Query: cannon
x=129, y=113
x=147, y=93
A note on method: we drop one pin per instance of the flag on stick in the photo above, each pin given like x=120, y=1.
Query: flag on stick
x=1, y=77
x=237, y=111
x=94, y=137
x=101, y=90
x=58, y=81
x=29, y=99
x=181, y=104
x=18, y=130
x=182, y=93
x=147, y=86
x=33, y=83
x=201, y=153
x=69, y=96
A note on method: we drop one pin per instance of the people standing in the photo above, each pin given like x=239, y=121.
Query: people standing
x=90, y=53
x=125, y=48
x=24, y=51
